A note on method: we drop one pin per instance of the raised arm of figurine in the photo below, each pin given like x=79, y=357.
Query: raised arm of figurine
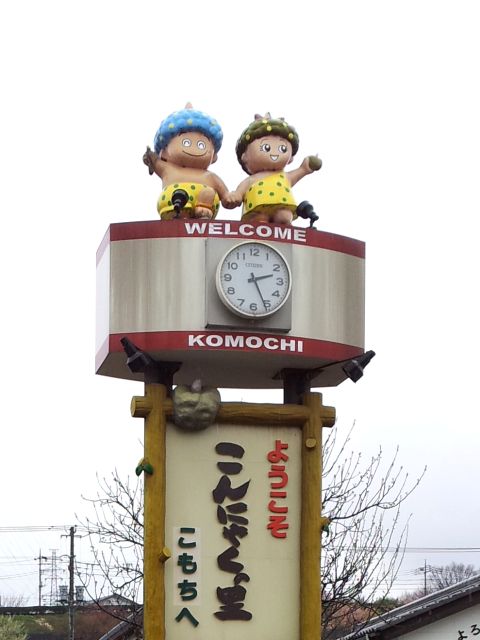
x=309, y=165
x=153, y=162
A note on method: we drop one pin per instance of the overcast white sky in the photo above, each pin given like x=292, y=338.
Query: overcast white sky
x=385, y=92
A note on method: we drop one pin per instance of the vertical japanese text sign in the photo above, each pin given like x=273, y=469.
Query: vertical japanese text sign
x=233, y=525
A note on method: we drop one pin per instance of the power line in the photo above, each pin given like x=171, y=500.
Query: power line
x=33, y=528
x=412, y=549
x=65, y=528
x=18, y=575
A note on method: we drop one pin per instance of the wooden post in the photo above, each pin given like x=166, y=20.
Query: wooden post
x=311, y=519
x=151, y=407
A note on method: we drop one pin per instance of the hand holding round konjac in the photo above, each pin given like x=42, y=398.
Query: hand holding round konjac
x=314, y=163
x=264, y=149
x=186, y=144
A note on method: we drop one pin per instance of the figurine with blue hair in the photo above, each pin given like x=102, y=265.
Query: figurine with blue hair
x=185, y=145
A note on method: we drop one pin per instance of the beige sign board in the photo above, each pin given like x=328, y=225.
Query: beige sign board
x=243, y=480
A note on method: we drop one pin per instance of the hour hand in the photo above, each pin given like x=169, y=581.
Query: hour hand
x=255, y=278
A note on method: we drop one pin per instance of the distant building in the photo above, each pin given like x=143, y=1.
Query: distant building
x=79, y=594
x=449, y=614
x=63, y=594
x=115, y=600
x=62, y=597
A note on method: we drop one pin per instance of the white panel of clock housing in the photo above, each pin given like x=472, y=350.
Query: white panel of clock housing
x=158, y=284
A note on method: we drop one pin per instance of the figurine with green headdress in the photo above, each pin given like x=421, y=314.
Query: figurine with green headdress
x=264, y=149
x=185, y=145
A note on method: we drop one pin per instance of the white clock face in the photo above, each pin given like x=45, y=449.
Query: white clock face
x=253, y=280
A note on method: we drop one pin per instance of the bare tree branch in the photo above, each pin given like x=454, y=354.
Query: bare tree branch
x=361, y=555
x=365, y=546
x=115, y=531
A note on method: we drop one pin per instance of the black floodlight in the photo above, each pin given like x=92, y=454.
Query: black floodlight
x=137, y=360
x=305, y=211
x=154, y=371
x=353, y=369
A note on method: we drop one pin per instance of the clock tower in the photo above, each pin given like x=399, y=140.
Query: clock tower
x=189, y=304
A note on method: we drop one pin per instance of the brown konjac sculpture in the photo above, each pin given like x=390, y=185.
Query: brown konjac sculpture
x=195, y=408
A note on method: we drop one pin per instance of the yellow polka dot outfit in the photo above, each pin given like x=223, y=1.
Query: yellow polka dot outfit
x=273, y=190
x=165, y=206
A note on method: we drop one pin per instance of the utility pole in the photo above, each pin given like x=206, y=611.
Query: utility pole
x=424, y=570
x=40, y=584
x=71, y=595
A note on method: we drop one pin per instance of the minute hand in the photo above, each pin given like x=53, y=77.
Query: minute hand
x=254, y=280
